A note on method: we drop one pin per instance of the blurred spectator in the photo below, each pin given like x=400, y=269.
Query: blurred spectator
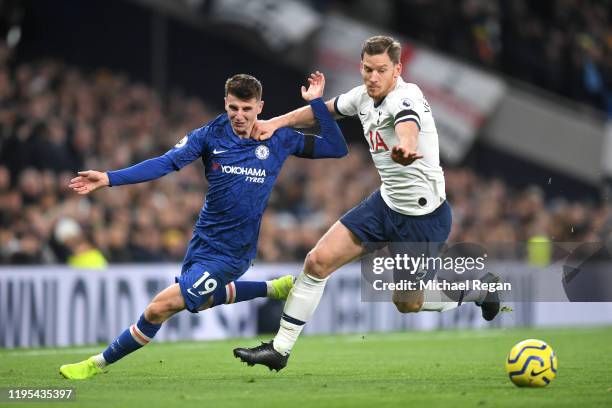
x=28, y=250
x=564, y=45
x=82, y=253
x=55, y=120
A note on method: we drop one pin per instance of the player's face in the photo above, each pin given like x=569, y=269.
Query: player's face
x=242, y=114
x=379, y=74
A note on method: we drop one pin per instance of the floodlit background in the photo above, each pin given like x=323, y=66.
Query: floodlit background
x=521, y=92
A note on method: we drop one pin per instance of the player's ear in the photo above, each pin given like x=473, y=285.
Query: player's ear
x=260, y=106
x=398, y=70
x=362, y=70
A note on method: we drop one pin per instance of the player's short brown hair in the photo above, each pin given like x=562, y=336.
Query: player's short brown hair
x=381, y=44
x=243, y=87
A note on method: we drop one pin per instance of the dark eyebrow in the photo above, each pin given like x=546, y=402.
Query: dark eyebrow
x=232, y=106
x=369, y=67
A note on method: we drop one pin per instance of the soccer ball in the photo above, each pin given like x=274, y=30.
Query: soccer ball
x=531, y=363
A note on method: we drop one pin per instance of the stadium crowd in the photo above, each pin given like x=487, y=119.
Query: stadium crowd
x=564, y=46
x=56, y=120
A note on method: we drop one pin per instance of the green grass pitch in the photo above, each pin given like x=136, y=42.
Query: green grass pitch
x=413, y=369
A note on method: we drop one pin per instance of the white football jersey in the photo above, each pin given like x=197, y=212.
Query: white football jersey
x=416, y=189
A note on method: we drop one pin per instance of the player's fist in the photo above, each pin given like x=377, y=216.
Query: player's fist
x=403, y=156
x=316, y=86
x=88, y=181
x=263, y=129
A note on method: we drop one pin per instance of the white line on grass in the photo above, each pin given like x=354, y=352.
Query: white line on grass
x=36, y=353
x=83, y=350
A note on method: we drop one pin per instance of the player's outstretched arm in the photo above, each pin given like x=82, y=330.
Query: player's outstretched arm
x=300, y=118
x=89, y=181
x=144, y=171
x=331, y=143
x=406, y=152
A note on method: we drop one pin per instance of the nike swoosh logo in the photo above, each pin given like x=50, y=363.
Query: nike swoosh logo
x=215, y=151
x=362, y=114
x=535, y=373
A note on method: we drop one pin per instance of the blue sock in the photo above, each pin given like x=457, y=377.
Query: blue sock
x=239, y=291
x=133, y=338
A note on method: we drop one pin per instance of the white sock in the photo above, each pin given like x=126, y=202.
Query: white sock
x=438, y=306
x=300, y=305
x=99, y=360
x=270, y=288
x=474, y=295
x=438, y=301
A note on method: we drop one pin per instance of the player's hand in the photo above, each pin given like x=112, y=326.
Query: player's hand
x=315, y=88
x=263, y=129
x=403, y=156
x=89, y=181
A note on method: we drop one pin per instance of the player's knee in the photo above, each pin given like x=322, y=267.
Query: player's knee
x=153, y=313
x=158, y=312
x=408, y=307
x=315, y=266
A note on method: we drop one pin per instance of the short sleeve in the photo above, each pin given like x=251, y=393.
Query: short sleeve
x=347, y=104
x=407, y=104
x=189, y=148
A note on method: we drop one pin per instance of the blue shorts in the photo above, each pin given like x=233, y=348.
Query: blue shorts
x=204, y=270
x=373, y=222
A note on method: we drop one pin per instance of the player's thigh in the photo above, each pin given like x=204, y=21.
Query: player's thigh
x=336, y=248
x=165, y=304
x=201, y=279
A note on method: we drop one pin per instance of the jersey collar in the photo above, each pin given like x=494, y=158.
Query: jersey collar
x=377, y=104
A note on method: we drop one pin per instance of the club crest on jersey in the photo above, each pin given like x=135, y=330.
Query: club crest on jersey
x=181, y=142
x=262, y=152
x=406, y=103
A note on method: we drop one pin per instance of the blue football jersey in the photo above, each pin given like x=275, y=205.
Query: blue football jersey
x=241, y=173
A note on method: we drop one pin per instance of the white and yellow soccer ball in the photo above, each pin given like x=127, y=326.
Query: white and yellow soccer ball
x=531, y=363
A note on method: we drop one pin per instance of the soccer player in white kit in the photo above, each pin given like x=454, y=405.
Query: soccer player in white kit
x=410, y=205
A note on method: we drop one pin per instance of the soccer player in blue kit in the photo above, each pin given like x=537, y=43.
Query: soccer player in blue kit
x=241, y=172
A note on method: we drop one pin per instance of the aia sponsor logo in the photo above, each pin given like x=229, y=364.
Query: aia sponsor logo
x=377, y=143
